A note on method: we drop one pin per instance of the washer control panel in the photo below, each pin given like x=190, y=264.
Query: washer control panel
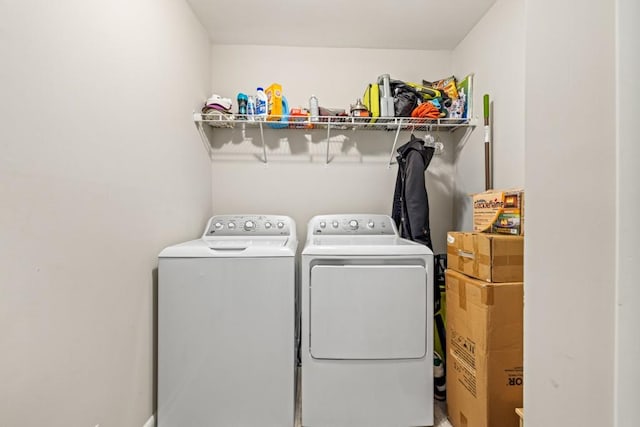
x=359, y=224
x=244, y=225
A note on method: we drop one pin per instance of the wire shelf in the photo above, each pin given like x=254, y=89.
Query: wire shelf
x=222, y=120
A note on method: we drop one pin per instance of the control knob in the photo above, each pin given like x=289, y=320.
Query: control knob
x=335, y=224
x=323, y=224
x=353, y=224
x=268, y=225
x=249, y=225
x=218, y=225
x=232, y=225
x=371, y=224
x=280, y=224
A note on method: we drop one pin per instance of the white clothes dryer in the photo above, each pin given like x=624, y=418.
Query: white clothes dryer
x=367, y=329
x=226, y=319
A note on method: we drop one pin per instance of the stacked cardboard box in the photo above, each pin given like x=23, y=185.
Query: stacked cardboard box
x=484, y=329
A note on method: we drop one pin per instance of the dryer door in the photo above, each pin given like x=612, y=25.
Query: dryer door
x=368, y=312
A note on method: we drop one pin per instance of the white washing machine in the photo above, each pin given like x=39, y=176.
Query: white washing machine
x=226, y=319
x=367, y=329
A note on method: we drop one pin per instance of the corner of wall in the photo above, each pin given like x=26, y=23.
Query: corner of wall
x=494, y=52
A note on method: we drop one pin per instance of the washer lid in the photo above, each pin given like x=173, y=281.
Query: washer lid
x=230, y=247
x=240, y=244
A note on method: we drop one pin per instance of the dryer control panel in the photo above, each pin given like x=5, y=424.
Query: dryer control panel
x=248, y=225
x=353, y=224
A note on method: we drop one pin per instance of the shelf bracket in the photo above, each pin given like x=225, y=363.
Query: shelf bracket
x=465, y=137
x=395, y=142
x=328, y=138
x=203, y=136
x=264, y=146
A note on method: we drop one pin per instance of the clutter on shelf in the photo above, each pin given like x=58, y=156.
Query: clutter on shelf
x=443, y=98
x=387, y=104
x=217, y=108
x=444, y=101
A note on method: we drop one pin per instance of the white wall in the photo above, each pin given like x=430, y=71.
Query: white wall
x=494, y=51
x=100, y=168
x=302, y=185
x=627, y=374
x=570, y=176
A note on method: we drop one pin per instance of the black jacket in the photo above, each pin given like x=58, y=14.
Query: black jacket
x=410, y=200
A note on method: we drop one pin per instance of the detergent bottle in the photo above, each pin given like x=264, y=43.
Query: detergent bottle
x=251, y=107
x=242, y=105
x=281, y=121
x=261, y=103
x=274, y=97
x=314, y=108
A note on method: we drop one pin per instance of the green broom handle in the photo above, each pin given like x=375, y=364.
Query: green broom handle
x=487, y=146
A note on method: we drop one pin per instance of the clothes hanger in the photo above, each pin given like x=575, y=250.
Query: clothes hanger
x=430, y=141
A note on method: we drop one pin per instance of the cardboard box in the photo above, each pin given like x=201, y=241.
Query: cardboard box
x=484, y=351
x=489, y=257
x=499, y=211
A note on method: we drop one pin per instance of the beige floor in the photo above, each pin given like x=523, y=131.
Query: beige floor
x=440, y=415
x=439, y=412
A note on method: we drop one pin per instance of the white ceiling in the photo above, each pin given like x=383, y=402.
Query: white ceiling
x=399, y=24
